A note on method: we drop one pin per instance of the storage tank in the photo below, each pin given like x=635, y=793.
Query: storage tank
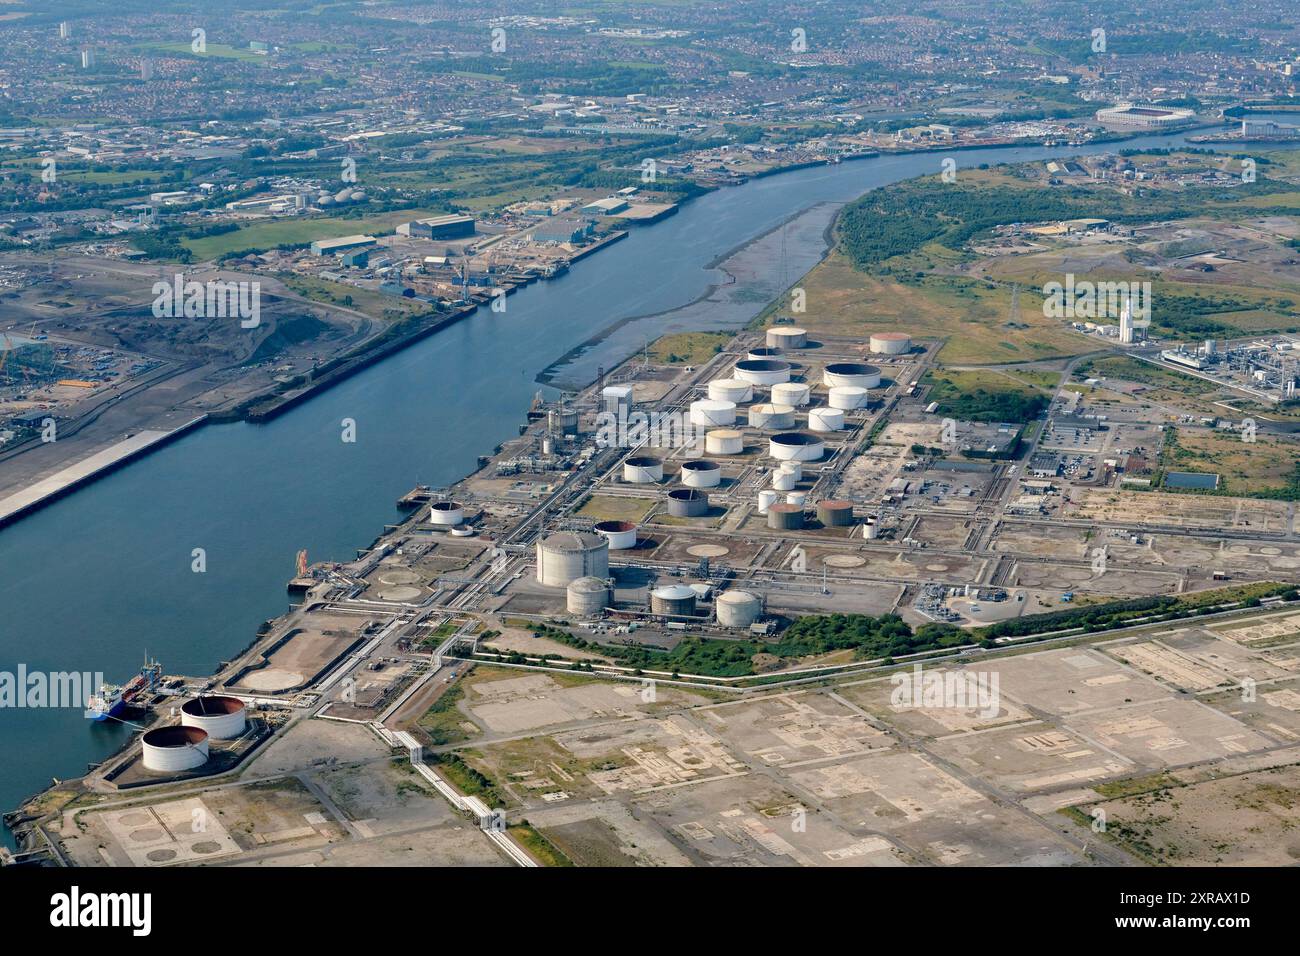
x=799, y=498
x=793, y=394
x=763, y=371
x=891, y=343
x=621, y=535
x=771, y=416
x=730, y=390
x=673, y=600
x=763, y=352
x=825, y=419
x=796, y=446
x=847, y=397
x=784, y=480
x=687, y=503
x=766, y=498
x=701, y=474
x=643, y=470
x=587, y=597
x=724, y=441
x=786, y=337
x=221, y=717
x=446, y=514
x=794, y=467
x=738, y=608
x=870, y=529
x=835, y=513
x=172, y=749
x=708, y=411
x=785, y=517
x=851, y=373
x=565, y=556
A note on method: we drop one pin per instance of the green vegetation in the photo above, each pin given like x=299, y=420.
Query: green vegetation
x=983, y=396
x=443, y=721
x=1114, y=614
x=688, y=348
x=1266, y=468
x=541, y=849
x=866, y=637
x=466, y=779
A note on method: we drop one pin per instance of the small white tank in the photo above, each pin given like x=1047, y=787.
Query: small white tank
x=771, y=416
x=793, y=394
x=730, y=390
x=783, y=480
x=724, y=441
x=794, y=467
x=847, y=396
x=797, y=498
x=766, y=498
x=825, y=419
x=707, y=411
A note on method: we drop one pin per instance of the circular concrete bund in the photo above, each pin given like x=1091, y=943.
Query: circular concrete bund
x=763, y=371
x=843, y=561
x=796, y=446
x=176, y=748
x=398, y=576
x=222, y=718
x=707, y=551
x=851, y=373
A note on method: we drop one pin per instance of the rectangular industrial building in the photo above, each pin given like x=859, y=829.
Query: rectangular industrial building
x=438, y=227
x=605, y=207
x=330, y=247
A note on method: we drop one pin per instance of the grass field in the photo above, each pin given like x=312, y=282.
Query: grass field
x=611, y=508
x=375, y=304
x=269, y=233
x=688, y=348
x=972, y=316
x=986, y=395
x=1245, y=468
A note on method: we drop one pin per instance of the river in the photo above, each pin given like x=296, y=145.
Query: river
x=99, y=578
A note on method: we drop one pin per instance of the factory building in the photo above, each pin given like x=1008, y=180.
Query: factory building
x=331, y=247
x=438, y=227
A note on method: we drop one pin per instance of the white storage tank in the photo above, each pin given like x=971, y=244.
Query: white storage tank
x=565, y=556
x=221, y=717
x=783, y=480
x=786, y=337
x=796, y=446
x=792, y=394
x=621, y=535
x=763, y=371
x=794, y=467
x=847, y=397
x=799, y=498
x=730, y=390
x=446, y=514
x=870, y=529
x=766, y=498
x=708, y=411
x=724, y=441
x=851, y=373
x=643, y=470
x=763, y=352
x=587, y=597
x=771, y=416
x=176, y=748
x=891, y=343
x=700, y=473
x=738, y=608
x=825, y=419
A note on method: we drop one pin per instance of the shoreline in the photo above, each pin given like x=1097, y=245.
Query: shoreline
x=346, y=367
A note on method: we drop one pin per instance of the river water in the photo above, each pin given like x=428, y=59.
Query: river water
x=96, y=580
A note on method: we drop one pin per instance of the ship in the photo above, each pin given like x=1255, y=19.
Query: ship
x=113, y=700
